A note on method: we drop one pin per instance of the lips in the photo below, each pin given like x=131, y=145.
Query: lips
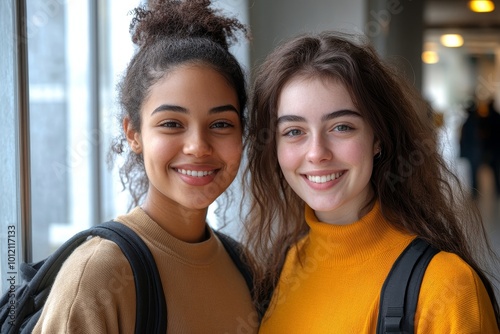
x=324, y=178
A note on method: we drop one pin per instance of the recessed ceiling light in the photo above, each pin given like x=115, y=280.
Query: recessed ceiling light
x=481, y=6
x=452, y=40
x=430, y=57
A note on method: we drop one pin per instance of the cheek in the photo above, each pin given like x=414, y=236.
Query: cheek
x=360, y=155
x=287, y=157
x=159, y=151
x=231, y=151
x=355, y=152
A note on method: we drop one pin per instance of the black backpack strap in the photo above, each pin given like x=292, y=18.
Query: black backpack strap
x=235, y=251
x=151, y=307
x=399, y=296
x=150, y=301
x=39, y=277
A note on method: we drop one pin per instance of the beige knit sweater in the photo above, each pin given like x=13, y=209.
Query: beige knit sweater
x=94, y=291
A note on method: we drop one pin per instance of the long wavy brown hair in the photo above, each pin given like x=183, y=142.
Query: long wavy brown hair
x=415, y=187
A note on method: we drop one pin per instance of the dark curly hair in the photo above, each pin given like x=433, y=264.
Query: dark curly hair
x=169, y=33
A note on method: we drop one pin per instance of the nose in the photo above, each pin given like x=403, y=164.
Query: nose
x=197, y=144
x=319, y=150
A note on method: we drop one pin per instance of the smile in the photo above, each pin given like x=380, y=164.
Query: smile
x=324, y=178
x=195, y=173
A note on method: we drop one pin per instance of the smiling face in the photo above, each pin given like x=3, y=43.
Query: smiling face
x=190, y=138
x=325, y=148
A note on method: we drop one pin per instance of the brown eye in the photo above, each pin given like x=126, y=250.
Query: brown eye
x=171, y=124
x=221, y=125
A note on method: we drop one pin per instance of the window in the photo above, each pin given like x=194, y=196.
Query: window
x=73, y=58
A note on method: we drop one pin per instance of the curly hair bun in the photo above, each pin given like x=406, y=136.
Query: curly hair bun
x=179, y=19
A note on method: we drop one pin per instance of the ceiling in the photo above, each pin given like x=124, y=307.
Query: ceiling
x=481, y=31
x=455, y=13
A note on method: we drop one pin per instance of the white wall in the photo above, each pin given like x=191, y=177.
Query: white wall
x=273, y=21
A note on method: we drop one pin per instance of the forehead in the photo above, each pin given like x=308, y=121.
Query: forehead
x=312, y=95
x=194, y=73
x=192, y=84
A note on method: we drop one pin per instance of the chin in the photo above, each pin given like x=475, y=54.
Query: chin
x=323, y=204
x=197, y=205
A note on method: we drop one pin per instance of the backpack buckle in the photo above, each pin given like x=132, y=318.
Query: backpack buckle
x=393, y=319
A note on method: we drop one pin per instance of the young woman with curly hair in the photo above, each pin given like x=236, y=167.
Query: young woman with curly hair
x=183, y=97
x=344, y=171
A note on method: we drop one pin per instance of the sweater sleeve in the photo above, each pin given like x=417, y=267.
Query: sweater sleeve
x=93, y=293
x=453, y=299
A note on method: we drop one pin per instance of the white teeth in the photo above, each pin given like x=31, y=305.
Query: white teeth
x=323, y=178
x=195, y=173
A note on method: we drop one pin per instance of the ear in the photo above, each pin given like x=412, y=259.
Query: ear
x=133, y=136
x=377, y=149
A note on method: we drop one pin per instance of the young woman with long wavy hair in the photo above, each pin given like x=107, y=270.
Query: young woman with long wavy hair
x=344, y=171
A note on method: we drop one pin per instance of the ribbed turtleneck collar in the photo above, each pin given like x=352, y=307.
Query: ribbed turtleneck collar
x=356, y=242
x=201, y=253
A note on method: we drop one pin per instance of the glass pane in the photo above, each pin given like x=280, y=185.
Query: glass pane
x=61, y=139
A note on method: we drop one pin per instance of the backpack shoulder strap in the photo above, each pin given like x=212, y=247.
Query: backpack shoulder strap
x=399, y=296
x=235, y=251
x=151, y=307
x=30, y=296
x=150, y=300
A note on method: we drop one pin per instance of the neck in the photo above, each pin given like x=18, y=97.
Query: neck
x=350, y=210
x=185, y=224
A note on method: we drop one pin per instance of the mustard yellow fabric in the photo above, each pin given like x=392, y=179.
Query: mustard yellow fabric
x=336, y=286
x=94, y=292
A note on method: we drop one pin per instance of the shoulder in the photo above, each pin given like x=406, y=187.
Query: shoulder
x=448, y=270
x=96, y=255
x=97, y=265
x=92, y=282
x=98, y=272
x=453, y=297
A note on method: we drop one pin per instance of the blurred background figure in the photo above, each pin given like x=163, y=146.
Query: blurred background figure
x=471, y=147
x=480, y=142
x=491, y=144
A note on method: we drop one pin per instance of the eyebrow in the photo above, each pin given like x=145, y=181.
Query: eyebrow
x=327, y=117
x=175, y=108
x=340, y=113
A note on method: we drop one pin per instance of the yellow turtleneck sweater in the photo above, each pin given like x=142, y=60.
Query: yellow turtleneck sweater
x=94, y=292
x=336, y=286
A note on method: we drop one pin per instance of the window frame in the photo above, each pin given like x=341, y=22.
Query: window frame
x=14, y=114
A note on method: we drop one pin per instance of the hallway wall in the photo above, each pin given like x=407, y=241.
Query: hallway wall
x=274, y=21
